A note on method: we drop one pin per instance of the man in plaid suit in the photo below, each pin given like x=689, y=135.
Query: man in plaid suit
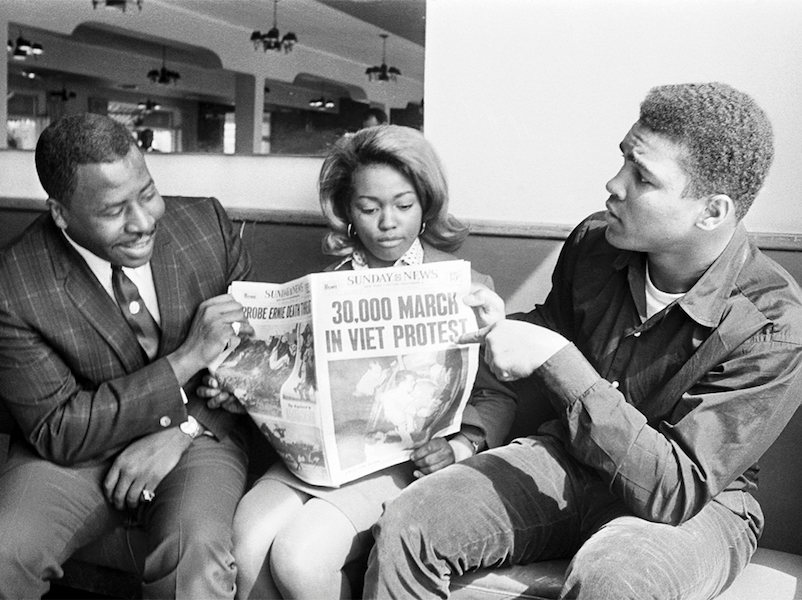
x=107, y=432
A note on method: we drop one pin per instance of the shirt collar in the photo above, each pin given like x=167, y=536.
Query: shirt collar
x=141, y=276
x=100, y=267
x=411, y=258
x=706, y=301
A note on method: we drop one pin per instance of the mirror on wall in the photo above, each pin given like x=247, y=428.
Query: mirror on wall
x=178, y=97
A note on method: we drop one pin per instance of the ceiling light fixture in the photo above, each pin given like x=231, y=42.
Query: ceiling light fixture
x=62, y=94
x=164, y=75
x=383, y=72
x=322, y=103
x=272, y=40
x=148, y=105
x=118, y=4
x=22, y=48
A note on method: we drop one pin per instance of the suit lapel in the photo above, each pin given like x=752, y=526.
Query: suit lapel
x=170, y=281
x=93, y=302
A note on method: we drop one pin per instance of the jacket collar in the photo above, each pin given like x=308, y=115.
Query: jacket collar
x=707, y=300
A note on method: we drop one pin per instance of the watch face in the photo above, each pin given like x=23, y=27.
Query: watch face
x=190, y=427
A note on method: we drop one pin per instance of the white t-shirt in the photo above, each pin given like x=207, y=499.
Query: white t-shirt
x=656, y=300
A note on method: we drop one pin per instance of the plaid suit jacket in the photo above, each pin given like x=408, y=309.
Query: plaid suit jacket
x=72, y=374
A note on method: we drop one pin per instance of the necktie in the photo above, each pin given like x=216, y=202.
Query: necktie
x=135, y=311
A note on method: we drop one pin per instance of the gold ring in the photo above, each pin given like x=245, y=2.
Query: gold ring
x=147, y=495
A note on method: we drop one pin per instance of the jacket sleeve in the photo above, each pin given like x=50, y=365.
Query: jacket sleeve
x=667, y=473
x=238, y=267
x=69, y=421
x=490, y=411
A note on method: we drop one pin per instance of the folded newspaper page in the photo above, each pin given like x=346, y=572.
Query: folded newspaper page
x=349, y=370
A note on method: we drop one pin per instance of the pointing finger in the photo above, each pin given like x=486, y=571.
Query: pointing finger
x=474, y=337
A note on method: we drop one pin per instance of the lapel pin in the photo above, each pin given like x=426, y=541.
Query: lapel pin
x=134, y=307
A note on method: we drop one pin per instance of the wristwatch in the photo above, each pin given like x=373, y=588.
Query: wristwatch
x=191, y=427
x=474, y=444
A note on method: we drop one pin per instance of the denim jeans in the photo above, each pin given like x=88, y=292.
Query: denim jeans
x=531, y=501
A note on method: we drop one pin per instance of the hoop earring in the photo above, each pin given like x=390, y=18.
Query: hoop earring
x=422, y=228
x=351, y=231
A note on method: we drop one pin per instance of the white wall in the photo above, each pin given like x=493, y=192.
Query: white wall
x=527, y=100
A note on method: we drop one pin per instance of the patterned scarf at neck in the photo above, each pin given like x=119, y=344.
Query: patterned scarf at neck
x=412, y=257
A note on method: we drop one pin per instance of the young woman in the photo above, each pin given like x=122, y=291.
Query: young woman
x=384, y=195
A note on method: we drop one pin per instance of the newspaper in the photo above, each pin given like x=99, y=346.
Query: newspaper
x=349, y=370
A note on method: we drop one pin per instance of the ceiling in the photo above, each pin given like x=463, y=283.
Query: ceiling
x=404, y=18
x=354, y=36
x=346, y=28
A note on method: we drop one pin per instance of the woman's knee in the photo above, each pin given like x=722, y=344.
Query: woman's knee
x=315, y=547
x=250, y=549
x=288, y=562
x=297, y=565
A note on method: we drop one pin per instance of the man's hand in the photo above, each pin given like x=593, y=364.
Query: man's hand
x=514, y=349
x=486, y=304
x=218, y=323
x=142, y=465
x=217, y=397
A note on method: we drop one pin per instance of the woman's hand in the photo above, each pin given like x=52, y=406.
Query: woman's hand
x=217, y=397
x=432, y=456
x=438, y=453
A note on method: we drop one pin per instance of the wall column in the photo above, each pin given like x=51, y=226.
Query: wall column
x=249, y=99
x=4, y=92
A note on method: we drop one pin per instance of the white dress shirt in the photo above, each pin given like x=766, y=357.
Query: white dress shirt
x=141, y=276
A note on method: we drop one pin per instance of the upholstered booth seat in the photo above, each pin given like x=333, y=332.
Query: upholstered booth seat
x=535, y=581
x=772, y=575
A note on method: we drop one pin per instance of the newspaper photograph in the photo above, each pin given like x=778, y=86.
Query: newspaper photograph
x=348, y=371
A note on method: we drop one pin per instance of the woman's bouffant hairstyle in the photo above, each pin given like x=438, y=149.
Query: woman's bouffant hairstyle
x=405, y=150
x=74, y=140
x=727, y=137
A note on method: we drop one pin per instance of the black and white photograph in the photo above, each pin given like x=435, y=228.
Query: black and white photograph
x=401, y=299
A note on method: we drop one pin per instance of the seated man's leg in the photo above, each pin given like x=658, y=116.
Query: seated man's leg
x=511, y=505
x=46, y=512
x=189, y=524
x=631, y=558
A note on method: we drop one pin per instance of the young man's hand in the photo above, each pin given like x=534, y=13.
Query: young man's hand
x=514, y=349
